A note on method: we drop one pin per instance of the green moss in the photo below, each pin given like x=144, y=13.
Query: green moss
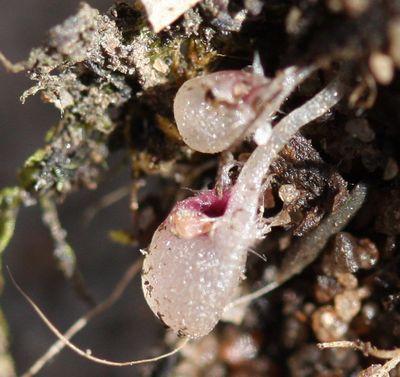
x=30, y=172
x=10, y=201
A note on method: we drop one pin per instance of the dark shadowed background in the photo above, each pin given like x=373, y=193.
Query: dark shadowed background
x=129, y=329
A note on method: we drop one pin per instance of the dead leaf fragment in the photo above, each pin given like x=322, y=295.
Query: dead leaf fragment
x=162, y=13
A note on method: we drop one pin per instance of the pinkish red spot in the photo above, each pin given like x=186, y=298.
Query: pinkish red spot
x=196, y=215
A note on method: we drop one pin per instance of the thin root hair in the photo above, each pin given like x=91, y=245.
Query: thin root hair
x=86, y=354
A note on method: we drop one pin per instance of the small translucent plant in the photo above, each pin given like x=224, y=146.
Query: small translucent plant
x=197, y=256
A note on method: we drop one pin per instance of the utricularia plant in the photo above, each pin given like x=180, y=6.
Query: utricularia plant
x=197, y=256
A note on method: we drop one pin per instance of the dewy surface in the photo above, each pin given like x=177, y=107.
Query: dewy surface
x=213, y=111
x=188, y=281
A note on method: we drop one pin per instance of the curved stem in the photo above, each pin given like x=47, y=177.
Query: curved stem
x=257, y=166
x=238, y=229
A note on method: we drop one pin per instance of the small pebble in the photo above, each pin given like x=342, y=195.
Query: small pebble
x=327, y=324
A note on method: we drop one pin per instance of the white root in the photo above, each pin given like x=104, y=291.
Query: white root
x=87, y=354
x=57, y=347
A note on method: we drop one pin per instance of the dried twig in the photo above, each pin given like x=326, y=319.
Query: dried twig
x=12, y=67
x=106, y=201
x=63, y=252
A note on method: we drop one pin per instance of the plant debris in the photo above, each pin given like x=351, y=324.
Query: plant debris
x=163, y=13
